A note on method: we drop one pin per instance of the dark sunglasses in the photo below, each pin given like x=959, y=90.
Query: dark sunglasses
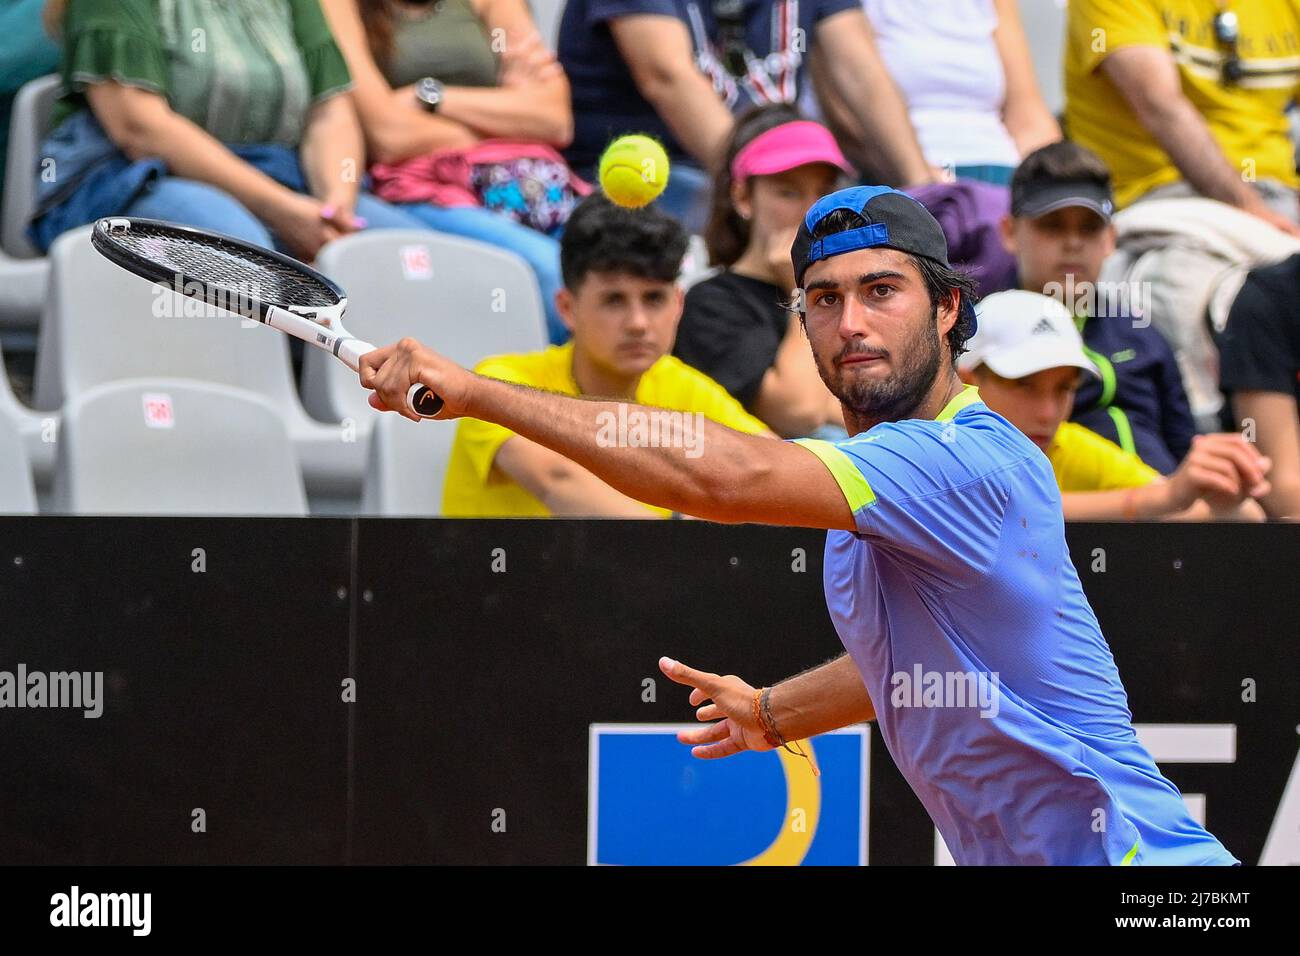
x=1226, y=32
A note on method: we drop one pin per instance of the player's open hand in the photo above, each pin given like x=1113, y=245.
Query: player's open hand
x=1224, y=469
x=731, y=699
x=392, y=370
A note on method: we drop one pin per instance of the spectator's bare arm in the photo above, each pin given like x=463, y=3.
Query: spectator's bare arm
x=657, y=50
x=1147, y=77
x=1218, y=480
x=1277, y=435
x=142, y=124
x=857, y=73
x=532, y=100
x=565, y=487
x=396, y=126
x=333, y=158
x=1024, y=112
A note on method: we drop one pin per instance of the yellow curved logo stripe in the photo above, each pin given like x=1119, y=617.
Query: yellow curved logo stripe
x=803, y=797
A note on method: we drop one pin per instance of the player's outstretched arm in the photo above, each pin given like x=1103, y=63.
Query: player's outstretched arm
x=815, y=702
x=718, y=474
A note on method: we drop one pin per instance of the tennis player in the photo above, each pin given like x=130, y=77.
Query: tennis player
x=947, y=576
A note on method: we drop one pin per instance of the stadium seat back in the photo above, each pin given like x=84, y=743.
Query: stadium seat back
x=103, y=324
x=17, y=492
x=29, y=123
x=407, y=466
x=462, y=298
x=171, y=446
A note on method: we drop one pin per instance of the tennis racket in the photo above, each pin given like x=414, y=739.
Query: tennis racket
x=245, y=280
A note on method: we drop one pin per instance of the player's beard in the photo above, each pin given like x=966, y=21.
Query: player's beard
x=896, y=397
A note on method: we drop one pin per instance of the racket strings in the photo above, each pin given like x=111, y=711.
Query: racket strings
x=234, y=270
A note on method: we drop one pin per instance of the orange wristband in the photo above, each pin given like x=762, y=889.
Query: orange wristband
x=758, y=718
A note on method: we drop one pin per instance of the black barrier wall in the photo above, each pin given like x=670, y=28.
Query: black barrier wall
x=384, y=691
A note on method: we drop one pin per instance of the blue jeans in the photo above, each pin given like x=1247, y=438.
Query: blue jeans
x=192, y=203
x=538, y=250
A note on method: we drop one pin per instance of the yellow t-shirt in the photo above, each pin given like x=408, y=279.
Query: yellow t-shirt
x=473, y=490
x=1246, y=119
x=1084, y=461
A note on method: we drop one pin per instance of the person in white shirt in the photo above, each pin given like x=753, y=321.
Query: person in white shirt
x=964, y=68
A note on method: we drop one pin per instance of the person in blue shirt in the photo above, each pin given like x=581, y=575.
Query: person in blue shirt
x=680, y=69
x=1060, y=232
x=968, y=636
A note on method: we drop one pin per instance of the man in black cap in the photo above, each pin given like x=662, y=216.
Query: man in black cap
x=947, y=576
x=1060, y=232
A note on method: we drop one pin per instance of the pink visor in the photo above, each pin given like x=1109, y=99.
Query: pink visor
x=785, y=147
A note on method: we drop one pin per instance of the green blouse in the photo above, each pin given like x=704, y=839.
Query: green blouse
x=247, y=71
x=448, y=42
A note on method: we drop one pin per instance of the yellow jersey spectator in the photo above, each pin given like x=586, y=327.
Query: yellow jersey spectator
x=621, y=302
x=1188, y=98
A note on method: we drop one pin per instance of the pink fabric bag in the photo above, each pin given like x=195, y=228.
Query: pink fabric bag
x=528, y=181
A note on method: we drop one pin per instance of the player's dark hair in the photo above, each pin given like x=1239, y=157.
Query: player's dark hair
x=1059, y=162
x=601, y=236
x=940, y=281
x=727, y=235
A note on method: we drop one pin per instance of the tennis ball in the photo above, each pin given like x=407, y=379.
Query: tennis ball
x=633, y=170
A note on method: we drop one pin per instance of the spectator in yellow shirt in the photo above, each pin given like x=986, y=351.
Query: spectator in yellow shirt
x=1188, y=98
x=621, y=302
x=1027, y=359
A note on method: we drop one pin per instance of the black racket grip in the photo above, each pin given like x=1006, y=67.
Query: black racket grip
x=423, y=401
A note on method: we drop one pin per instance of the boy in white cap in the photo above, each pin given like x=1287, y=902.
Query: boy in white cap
x=1028, y=360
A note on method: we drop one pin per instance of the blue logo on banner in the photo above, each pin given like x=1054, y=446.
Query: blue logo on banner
x=652, y=803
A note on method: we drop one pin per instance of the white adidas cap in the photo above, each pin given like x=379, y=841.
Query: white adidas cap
x=1021, y=333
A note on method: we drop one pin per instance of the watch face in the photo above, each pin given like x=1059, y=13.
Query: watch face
x=429, y=91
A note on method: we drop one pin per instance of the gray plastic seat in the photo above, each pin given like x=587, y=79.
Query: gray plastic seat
x=225, y=452
x=23, y=278
x=102, y=324
x=22, y=291
x=17, y=492
x=407, y=466
x=28, y=124
x=474, y=300
x=38, y=430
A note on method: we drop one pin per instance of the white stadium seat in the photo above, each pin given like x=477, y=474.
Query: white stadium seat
x=172, y=446
x=38, y=430
x=406, y=468
x=462, y=298
x=22, y=278
x=28, y=124
x=17, y=493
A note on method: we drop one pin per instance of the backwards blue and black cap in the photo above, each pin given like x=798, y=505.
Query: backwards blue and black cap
x=894, y=220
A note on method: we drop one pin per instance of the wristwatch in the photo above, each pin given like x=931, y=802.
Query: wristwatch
x=429, y=92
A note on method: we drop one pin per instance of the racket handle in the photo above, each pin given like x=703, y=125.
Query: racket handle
x=423, y=401
x=420, y=398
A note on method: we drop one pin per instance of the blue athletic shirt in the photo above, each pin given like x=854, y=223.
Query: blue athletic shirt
x=993, y=686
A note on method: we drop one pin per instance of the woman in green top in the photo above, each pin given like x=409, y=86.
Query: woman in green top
x=232, y=116
x=493, y=78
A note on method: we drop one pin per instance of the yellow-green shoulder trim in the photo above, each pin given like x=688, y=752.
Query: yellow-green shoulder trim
x=857, y=491
x=1128, y=857
x=967, y=396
